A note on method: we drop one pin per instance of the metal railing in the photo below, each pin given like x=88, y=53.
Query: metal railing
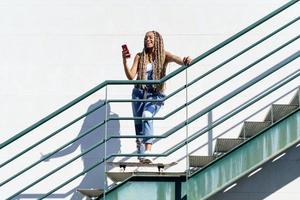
x=105, y=83
x=190, y=120
x=171, y=131
x=243, y=120
x=132, y=118
x=193, y=118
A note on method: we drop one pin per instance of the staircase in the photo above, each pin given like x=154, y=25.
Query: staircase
x=235, y=158
x=249, y=130
x=232, y=160
x=234, y=155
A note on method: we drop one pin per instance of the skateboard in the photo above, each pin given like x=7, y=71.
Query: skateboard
x=123, y=165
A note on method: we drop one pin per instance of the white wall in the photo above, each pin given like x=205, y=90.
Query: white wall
x=53, y=51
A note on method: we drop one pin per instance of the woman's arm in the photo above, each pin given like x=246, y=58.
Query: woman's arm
x=130, y=73
x=180, y=61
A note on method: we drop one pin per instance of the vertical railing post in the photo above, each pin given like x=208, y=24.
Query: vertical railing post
x=105, y=143
x=210, y=133
x=187, y=129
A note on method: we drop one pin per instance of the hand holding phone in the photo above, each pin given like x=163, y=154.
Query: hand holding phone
x=125, y=51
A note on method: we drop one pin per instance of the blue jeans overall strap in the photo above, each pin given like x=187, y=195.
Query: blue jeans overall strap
x=145, y=109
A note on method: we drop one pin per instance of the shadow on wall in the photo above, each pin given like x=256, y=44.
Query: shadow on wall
x=94, y=178
x=272, y=177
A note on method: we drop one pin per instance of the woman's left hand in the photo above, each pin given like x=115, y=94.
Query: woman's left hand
x=187, y=60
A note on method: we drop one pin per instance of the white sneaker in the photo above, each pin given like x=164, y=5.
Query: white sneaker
x=148, y=159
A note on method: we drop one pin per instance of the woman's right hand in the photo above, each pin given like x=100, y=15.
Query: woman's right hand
x=125, y=54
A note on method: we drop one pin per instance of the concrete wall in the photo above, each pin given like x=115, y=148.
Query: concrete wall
x=53, y=51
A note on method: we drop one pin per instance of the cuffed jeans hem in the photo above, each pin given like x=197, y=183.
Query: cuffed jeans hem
x=149, y=141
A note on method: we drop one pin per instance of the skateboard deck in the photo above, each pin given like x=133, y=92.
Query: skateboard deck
x=123, y=165
x=122, y=176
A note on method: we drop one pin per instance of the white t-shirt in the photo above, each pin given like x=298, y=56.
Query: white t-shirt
x=149, y=67
x=149, y=71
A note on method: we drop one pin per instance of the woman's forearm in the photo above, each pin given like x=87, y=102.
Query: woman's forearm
x=180, y=61
x=127, y=71
x=131, y=73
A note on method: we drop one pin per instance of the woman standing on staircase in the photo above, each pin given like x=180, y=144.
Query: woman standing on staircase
x=150, y=64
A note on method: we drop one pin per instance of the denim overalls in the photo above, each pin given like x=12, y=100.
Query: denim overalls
x=145, y=109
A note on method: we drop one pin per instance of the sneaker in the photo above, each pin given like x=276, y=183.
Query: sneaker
x=148, y=159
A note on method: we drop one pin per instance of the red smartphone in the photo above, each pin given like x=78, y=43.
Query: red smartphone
x=125, y=48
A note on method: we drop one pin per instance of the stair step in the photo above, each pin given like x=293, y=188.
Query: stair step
x=122, y=176
x=91, y=193
x=295, y=100
x=200, y=161
x=225, y=144
x=119, y=176
x=250, y=129
x=279, y=111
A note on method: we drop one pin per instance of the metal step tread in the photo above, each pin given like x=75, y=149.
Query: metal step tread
x=122, y=176
x=279, y=111
x=91, y=193
x=225, y=144
x=200, y=161
x=251, y=128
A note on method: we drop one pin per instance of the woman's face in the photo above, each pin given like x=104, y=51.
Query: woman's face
x=149, y=40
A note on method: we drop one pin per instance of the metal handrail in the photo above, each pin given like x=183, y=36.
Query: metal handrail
x=164, y=99
x=191, y=119
x=44, y=120
x=208, y=129
x=243, y=120
x=166, y=154
x=129, y=118
x=105, y=83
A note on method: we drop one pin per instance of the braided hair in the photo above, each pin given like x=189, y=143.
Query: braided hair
x=157, y=58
